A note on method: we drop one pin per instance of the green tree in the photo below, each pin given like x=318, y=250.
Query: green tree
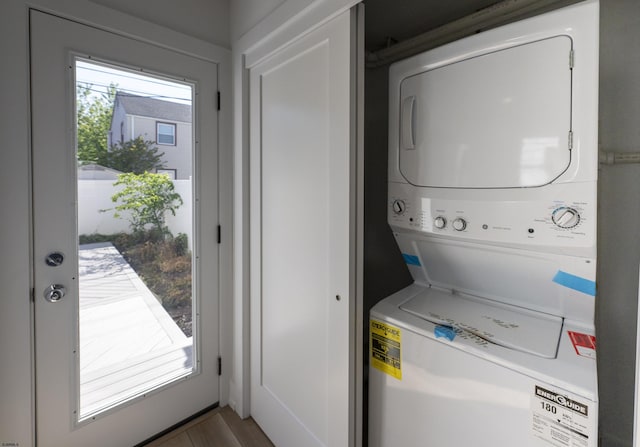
x=136, y=156
x=93, y=122
x=147, y=197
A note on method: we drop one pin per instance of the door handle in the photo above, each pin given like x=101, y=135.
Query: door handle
x=54, y=293
x=407, y=126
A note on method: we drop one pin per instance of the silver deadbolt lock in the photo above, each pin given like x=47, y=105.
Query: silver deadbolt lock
x=54, y=259
x=54, y=293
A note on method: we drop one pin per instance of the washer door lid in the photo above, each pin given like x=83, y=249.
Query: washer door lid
x=500, y=324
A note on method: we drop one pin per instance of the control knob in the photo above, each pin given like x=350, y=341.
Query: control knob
x=459, y=224
x=399, y=206
x=565, y=217
x=440, y=222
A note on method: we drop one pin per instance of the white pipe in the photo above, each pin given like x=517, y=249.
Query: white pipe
x=491, y=16
x=611, y=158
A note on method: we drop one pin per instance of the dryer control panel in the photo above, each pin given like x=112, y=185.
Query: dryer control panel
x=561, y=220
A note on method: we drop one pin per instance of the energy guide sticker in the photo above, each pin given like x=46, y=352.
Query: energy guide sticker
x=386, y=348
x=561, y=420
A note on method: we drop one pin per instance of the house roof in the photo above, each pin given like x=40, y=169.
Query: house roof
x=96, y=172
x=153, y=108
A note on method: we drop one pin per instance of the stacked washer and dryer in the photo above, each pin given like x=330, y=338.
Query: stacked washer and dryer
x=492, y=200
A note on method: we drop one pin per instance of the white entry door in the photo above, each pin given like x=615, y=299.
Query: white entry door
x=125, y=251
x=303, y=244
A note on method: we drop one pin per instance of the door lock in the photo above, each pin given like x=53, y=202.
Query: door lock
x=54, y=293
x=54, y=259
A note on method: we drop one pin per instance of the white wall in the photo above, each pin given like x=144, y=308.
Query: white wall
x=16, y=381
x=182, y=221
x=245, y=14
x=94, y=198
x=207, y=20
x=619, y=219
x=16, y=403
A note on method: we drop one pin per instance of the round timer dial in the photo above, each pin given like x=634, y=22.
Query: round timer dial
x=399, y=206
x=565, y=217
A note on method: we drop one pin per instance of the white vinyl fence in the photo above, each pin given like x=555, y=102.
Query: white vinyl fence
x=95, y=209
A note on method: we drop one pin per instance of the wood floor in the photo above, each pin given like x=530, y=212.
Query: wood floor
x=219, y=428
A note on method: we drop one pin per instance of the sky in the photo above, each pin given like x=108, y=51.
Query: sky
x=100, y=76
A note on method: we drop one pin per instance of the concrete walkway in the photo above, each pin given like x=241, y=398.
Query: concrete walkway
x=129, y=345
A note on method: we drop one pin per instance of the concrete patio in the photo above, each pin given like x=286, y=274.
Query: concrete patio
x=129, y=345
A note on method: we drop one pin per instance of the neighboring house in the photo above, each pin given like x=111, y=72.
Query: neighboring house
x=166, y=123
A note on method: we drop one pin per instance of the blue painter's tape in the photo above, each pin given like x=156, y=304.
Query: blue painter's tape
x=411, y=259
x=445, y=332
x=575, y=282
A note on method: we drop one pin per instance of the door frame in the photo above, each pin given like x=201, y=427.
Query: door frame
x=17, y=407
x=291, y=20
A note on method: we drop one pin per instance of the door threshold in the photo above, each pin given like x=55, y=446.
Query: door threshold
x=178, y=425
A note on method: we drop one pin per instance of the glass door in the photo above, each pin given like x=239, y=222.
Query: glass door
x=125, y=213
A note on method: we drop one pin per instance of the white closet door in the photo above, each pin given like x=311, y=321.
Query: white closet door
x=303, y=173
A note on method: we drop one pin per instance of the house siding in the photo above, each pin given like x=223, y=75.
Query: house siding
x=127, y=125
x=119, y=125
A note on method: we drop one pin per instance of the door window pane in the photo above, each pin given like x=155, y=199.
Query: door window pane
x=135, y=226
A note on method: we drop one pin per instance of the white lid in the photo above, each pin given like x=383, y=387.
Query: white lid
x=508, y=326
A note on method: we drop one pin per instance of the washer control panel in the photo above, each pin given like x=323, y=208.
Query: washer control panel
x=563, y=220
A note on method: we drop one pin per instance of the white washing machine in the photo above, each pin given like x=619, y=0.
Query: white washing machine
x=492, y=201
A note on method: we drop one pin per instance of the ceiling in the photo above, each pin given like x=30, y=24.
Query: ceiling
x=389, y=21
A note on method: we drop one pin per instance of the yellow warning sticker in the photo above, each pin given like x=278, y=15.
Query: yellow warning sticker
x=386, y=348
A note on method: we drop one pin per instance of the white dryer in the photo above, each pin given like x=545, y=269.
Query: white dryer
x=492, y=201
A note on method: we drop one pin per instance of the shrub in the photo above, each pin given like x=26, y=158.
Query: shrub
x=147, y=197
x=181, y=244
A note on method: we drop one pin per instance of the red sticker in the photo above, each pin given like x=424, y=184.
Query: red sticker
x=584, y=344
